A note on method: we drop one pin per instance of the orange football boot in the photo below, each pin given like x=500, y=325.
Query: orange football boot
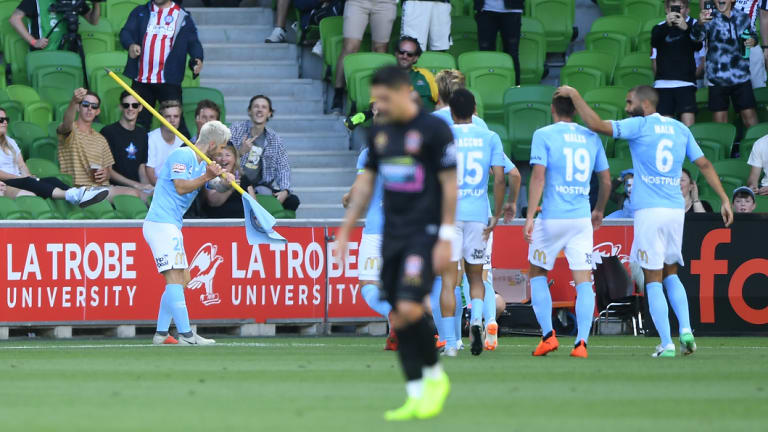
x=439, y=344
x=391, y=344
x=491, y=336
x=580, y=350
x=547, y=345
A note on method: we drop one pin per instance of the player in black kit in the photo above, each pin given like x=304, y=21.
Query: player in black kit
x=415, y=156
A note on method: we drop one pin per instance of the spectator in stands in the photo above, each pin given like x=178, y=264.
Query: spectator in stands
x=448, y=81
x=676, y=63
x=206, y=110
x=743, y=200
x=40, y=26
x=758, y=161
x=357, y=14
x=727, y=70
x=162, y=141
x=128, y=143
x=626, y=178
x=505, y=16
x=263, y=160
x=306, y=7
x=84, y=153
x=228, y=204
x=691, y=194
x=428, y=21
x=422, y=80
x=157, y=54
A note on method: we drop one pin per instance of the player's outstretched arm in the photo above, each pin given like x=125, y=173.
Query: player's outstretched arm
x=706, y=168
x=587, y=114
x=535, y=190
x=510, y=208
x=361, y=192
x=603, y=193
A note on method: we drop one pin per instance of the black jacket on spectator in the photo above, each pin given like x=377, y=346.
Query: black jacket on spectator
x=675, y=52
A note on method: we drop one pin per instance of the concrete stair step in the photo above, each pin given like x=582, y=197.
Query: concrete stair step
x=318, y=177
x=301, y=141
x=281, y=104
x=300, y=123
x=298, y=88
x=320, y=211
x=321, y=195
x=232, y=16
x=319, y=159
x=250, y=51
x=253, y=69
x=226, y=33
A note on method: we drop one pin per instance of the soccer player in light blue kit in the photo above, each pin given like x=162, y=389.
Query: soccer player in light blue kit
x=478, y=151
x=563, y=157
x=659, y=146
x=180, y=179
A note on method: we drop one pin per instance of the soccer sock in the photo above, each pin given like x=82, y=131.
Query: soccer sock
x=372, y=297
x=489, y=304
x=448, y=326
x=437, y=313
x=178, y=307
x=476, y=314
x=585, y=309
x=541, y=300
x=458, y=314
x=679, y=301
x=425, y=338
x=164, y=314
x=410, y=352
x=657, y=304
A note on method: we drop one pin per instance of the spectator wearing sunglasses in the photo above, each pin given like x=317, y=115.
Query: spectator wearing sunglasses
x=128, y=144
x=162, y=141
x=422, y=80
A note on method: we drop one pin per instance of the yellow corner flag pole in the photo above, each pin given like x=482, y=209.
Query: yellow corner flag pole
x=168, y=125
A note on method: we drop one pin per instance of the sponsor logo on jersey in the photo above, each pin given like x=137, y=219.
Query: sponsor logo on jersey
x=414, y=264
x=380, y=141
x=642, y=256
x=372, y=263
x=413, y=140
x=178, y=168
x=161, y=261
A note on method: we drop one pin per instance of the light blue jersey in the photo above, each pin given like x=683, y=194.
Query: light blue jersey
x=508, y=165
x=659, y=146
x=167, y=205
x=374, y=219
x=477, y=150
x=445, y=115
x=570, y=153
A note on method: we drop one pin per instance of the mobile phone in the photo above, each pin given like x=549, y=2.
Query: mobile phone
x=709, y=5
x=675, y=8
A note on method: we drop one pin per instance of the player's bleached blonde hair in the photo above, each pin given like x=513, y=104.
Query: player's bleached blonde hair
x=448, y=81
x=214, y=132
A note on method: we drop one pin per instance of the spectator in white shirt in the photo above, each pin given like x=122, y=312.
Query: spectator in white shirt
x=162, y=141
x=758, y=160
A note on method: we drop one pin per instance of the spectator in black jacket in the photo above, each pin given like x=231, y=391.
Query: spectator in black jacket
x=156, y=61
x=675, y=63
x=505, y=16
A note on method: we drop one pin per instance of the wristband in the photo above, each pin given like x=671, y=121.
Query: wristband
x=447, y=232
x=764, y=46
x=33, y=43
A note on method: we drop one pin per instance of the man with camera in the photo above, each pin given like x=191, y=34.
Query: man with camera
x=45, y=27
x=728, y=36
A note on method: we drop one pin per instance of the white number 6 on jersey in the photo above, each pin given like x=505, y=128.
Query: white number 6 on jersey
x=664, y=158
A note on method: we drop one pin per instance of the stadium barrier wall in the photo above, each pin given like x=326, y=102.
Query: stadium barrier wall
x=76, y=273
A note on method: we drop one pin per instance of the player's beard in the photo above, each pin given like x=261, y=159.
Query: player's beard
x=636, y=112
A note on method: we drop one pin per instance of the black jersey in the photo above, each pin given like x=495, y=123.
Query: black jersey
x=409, y=158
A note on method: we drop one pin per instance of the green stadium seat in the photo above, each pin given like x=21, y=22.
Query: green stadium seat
x=45, y=148
x=761, y=97
x=533, y=51
x=611, y=7
x=13, y=110
x=621, y=149
x=68, y=211
x=39, y=113
x=110, y=104
x=464, y=34
x=702, y=103
x=557, y=16
x=761, y=204
x=715, y=139
x=522, y=119
x=626, y=25
x=36, y=207
x=3, y=82
x=490, y=74
x=479, y=106
x=15, y=50
x=26, y=132
x=97, y=62
x=614, y=96
x=644, y=40
x=733, y=173
x=538, y=93
x=617, y=165
x=195, y=94
x=101, y=210
x=130, y=207
x=598, y=60
x=501, y=131
x=582, y=78
x=270, y=204
x=330, y=28
x=54, y=69
x=609, y=42
x=634, y=69
x=52, y=126
x=22, y=93
x=436, y=61
x=9, y=210
x=358, y=70
x=753, y=134
x=66, y=179
x=42, y=168
x=189, y=80
x=644, y=9
x=117, y=11
x=97, y=38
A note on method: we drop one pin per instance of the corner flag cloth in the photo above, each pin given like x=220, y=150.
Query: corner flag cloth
x=259, y=223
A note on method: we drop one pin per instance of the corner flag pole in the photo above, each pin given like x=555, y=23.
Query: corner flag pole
x=168, y=125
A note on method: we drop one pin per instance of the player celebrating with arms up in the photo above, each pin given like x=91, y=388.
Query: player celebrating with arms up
x=414, y=154
x=659, y=146
x=563, y=156
x=178, y=183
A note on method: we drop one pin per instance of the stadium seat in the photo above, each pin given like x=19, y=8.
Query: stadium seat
x=97, y=62
x=358, y=70
x=610, y=7
x=9, y=210
x=761, y=97
x=195, y=94
x=557, y=17
x=753, y=134
x=582, y=78
x=97, y=38
x=117, y=11
x=189, y=79
x=479, y=106
x=45, y=148
x=501, y=131
x=610, y=42
x=634, y=69
x=613, y=96
x=42, y=168
x=644, y=40
x=22, y=93
x=761, y=204
x=15, y=50
x=270, y=204
x=702, y=103
x=68, y=211
x=715, y=139
x=26, y=132
x=627, y=25
x=36, y=207
x=110, y=104
x=464, y=35
x=617, y=165
x=490, y=74
x=597, y=60
x=533, y=51
x=54, y=68
x=130, y=207
x=436, y=61
x=330, y=28
x=733, y=173
x=101, y=210
x=644, y=9
x=13, y=110
x=536, y=93
x=39, y=113
x=526, y=109
x=621, y=149
x=66, y=179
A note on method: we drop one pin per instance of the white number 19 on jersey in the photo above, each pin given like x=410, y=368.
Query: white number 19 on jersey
x=579, y=159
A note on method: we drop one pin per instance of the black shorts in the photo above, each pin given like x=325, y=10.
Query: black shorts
x=677, y=100
x=406, y=273
x=741, y=95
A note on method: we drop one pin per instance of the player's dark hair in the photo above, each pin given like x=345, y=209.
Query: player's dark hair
x=124, y=95
x=563, y=106
x=688, y=173
x=90, y=93
x=462, y=104
x=646, y=93
x=407, y=38
x=208, y=104
x=743, y=194
x=164, y=105
x=391, y=77
x=266, y=98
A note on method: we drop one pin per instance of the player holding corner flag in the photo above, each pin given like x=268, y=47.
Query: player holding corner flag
x=178, y=183
x=658, y=146
x=414, y=154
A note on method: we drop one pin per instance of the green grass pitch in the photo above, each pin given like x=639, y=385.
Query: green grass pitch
x=345, y=384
